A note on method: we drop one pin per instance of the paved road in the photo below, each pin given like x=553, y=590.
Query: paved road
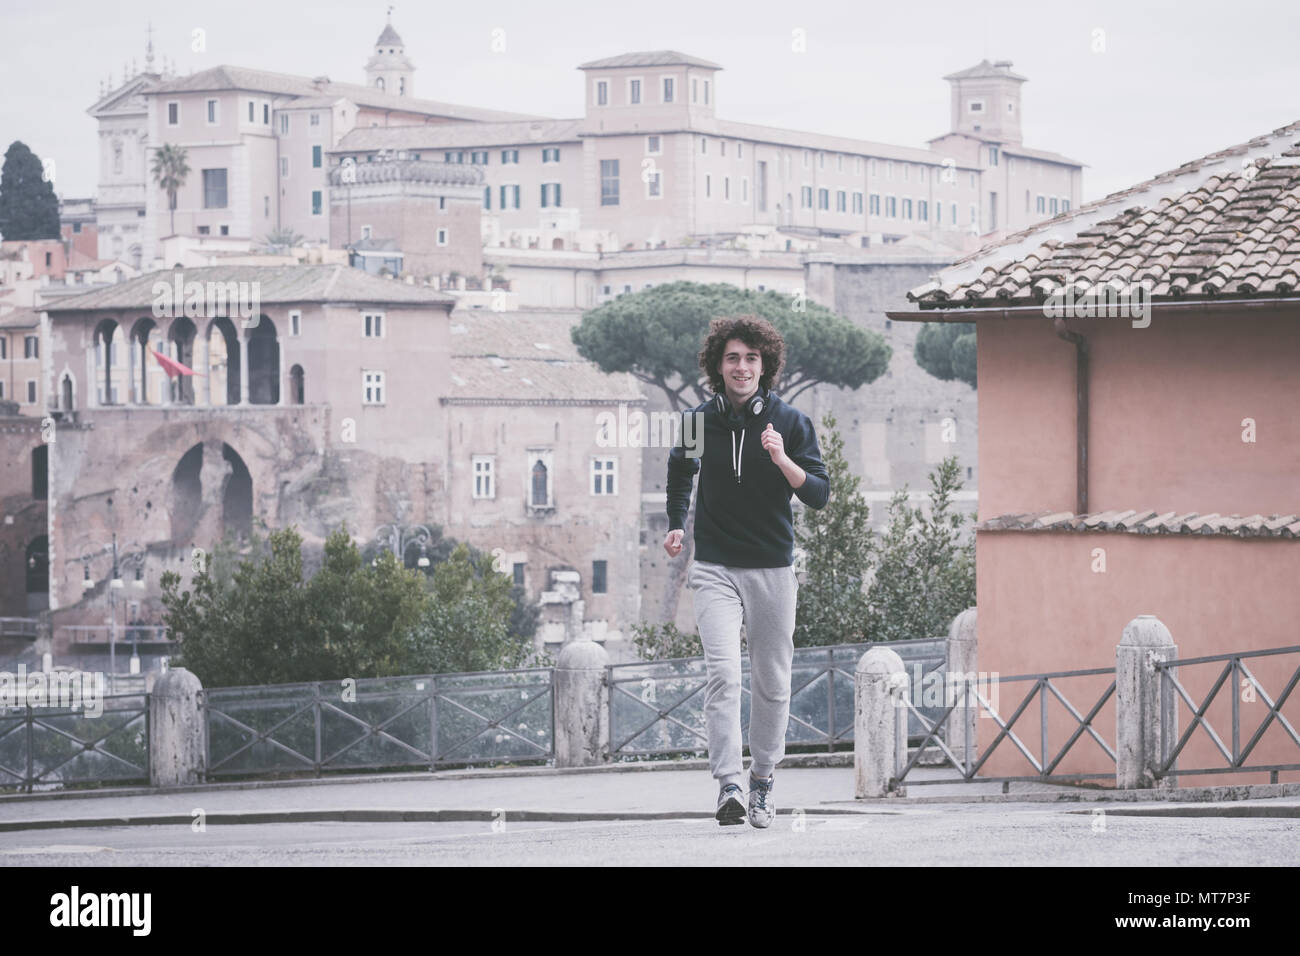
x=966, y=834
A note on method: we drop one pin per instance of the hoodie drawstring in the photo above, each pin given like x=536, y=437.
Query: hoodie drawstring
x=735, y=454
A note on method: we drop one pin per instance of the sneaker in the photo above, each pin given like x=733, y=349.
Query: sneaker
x=730, y=809
x=761, y=807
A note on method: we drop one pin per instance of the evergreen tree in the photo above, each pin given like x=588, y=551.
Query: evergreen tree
x=28, y=207
x=837, y=542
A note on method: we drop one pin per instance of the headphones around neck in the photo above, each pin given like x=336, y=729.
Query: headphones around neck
x=752, y=409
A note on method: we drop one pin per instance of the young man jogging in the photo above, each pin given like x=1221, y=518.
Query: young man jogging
x=756, y=453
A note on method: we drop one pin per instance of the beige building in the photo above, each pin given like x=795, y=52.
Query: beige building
x=324, y=395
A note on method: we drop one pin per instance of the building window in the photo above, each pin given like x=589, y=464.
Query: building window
x=602, y=93
x=509, y=192
x=539, y=480
x=315, y=157
x=974, y=214
x=225, y=230
x=823, y=199
x=252, y=111
x=805, y=197
x=487, y=197
x=266, y=114
x=609, y=182
x=295, y=322
x=173, y=114
x=839, y=162
x=1054, y=206
x=668, y=89
x=993, y=155
x=634, y=92
x=857, y=202
x=708, y=186
x=478, y=157
x=975, y=106
x=821, y=159
x=550, y=194
x=726, y=188
x=1065, y=205
x=31, y=391
x=519, y=573
x=284, y=124
x=695, y=90
x=603, y=476
x=212, y=113
x=372, y=325
x=598, y=572
x=653, y=145
x=704, y=145
x=214, y=189
x=205, y=230
x=442, y=237
x=922, y=210
x=744, y=189
x=266, y=207
x=31, y=346
x=873, y=167
x=1026, y=200
x=954, y=214
x=972, y=180
x=284, y=165
x=1041, y=204
x=654, y=185
x=907, y=208
x=706, y=92
x=891, y=207
x=551, y=154
x=484, y=485
x=315, y=202
x=889, y=169
x=372, y=386
x=4, y=346
x=509, y=157
x=874, y=204
x=722, y=147
x=315, y=119
x=841, y=201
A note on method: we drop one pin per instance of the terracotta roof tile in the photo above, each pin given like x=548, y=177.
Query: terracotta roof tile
x=1148, y=522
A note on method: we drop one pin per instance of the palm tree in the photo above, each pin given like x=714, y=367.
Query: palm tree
x=169, y=172
x=282, y=240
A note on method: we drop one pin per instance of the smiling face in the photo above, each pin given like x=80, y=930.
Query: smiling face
x=741, y=367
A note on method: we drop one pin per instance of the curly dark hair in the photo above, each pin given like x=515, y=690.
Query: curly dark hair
x=754, y=331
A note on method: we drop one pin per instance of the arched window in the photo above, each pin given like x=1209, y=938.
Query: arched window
x=539, y=496
x=40, y=472
x=297, y=385
x=379, y=82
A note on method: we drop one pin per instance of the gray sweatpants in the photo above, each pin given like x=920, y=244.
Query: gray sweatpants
x=764, y=599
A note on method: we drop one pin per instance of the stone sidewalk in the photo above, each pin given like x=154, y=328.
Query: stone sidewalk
x=647, y=791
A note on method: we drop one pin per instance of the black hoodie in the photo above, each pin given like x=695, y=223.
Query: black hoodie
x=743, y=516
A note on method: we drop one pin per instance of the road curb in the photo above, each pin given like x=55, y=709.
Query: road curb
x=381, y=815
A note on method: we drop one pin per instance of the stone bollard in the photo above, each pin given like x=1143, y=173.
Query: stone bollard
x=880, y=724
x=177, y=750
x=581, y=705
x=1138, y=714
x=961, y=649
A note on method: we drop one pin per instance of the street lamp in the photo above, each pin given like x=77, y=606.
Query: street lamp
x=399, y=538
x=133, y=561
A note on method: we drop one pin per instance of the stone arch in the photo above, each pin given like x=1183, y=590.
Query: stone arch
x=187, y=494
x=106, y=359
x=211, y=494
x=180, y=339
x=145, y=336
x=263, y=363
x=237, y=498
x=223, y=362
x=297, y=385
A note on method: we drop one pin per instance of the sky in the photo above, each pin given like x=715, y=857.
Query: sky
x=1128, y=88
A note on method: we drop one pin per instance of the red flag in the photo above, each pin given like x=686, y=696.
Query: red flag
x=171, y=366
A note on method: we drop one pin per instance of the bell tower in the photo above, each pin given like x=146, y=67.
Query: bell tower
x=388, y=68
